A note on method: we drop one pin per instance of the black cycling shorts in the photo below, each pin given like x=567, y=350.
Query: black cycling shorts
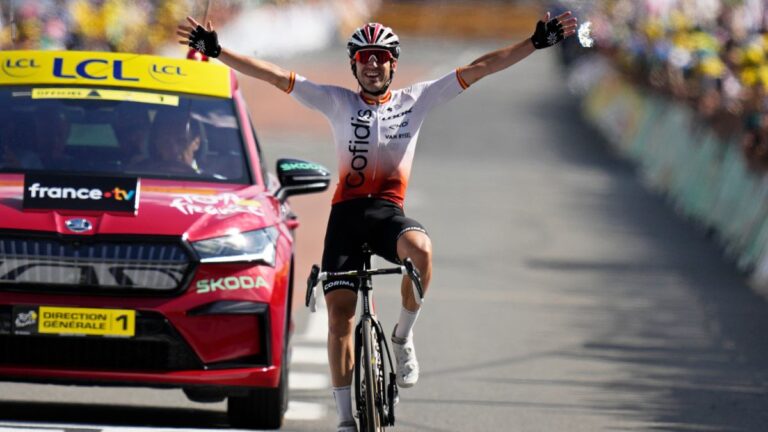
x=378, y=222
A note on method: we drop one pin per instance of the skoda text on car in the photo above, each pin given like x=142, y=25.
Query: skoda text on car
x=142, y=239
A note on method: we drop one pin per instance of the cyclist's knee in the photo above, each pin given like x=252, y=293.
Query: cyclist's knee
x=422, y=258
x=417, y=246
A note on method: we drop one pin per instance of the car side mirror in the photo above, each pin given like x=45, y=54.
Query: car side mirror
x=299, y=177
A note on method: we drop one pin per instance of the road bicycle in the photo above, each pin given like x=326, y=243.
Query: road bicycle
x=374, y=376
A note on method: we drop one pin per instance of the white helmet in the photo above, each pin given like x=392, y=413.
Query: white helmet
x=374, y=35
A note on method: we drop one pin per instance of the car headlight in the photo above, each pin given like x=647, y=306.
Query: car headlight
x=251, y=246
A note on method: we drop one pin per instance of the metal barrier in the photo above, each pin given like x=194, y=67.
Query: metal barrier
x=705, y=178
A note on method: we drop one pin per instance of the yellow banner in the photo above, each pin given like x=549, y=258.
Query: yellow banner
x=85, y=321
x=115, y=70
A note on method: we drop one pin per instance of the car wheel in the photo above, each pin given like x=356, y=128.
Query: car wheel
x=260, y=408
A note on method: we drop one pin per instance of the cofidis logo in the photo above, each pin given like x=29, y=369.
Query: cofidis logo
x=81, y=193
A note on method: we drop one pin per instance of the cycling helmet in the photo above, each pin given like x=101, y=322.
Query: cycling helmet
x=374, y=35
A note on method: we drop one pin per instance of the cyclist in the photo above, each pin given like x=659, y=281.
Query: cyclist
x=375, y=131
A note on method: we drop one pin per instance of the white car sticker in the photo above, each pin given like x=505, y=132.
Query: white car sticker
x=221, y=205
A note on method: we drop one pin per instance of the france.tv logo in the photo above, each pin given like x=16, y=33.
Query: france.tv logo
x=43, y=191
x=52, y=192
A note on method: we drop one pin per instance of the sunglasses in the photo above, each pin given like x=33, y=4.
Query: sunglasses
x=381, y=56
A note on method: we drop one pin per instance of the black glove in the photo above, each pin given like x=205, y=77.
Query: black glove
x=547, y=34
x=205, y=41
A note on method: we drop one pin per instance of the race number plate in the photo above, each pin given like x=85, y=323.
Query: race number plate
x=69, y=321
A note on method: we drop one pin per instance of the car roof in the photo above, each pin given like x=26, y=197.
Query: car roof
x=138, y=71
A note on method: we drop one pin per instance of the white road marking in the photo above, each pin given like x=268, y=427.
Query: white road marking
x=305, y=411
x=62, y=427
x=309, y=355
x=27, y=428
x=315, y=333
x=309, y=381
x=317, y=324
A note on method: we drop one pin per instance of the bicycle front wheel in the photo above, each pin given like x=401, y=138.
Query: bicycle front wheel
x=371, y=420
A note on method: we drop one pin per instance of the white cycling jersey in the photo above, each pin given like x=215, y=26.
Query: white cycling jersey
x=375, y=142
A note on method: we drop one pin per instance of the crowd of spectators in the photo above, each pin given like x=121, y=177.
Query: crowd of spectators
x=140, y=26
x=145, y=26
x=710, y=54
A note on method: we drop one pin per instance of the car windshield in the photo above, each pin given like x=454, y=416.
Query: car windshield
x=81, y=130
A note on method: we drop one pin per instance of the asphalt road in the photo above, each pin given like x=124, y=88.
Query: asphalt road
x=565, y=296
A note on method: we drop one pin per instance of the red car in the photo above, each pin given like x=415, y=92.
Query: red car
x=142, y=239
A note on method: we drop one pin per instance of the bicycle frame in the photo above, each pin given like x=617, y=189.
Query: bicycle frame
x=385, y=389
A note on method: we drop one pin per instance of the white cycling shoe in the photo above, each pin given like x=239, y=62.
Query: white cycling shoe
x=347, y=426
x=407, y=364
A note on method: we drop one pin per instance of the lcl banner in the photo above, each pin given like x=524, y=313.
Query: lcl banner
x=50, y=192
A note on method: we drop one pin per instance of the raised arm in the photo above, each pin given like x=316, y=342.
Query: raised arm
x=548, y=32
x=206, y=41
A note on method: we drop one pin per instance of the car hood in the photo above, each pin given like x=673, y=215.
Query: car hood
x=189, y=209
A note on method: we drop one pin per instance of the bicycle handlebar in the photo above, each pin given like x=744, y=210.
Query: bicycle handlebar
x=315, y=276
x=413, y=273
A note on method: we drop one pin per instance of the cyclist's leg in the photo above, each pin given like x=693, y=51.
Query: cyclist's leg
x=417, y=246
x=342, y=252
x=398, y=237
x=341, y=315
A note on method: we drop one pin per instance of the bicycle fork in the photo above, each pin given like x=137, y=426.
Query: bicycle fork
x=388, y=378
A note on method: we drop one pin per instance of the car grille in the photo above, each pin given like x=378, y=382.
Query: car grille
x=156, y=347
x=93, y=264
